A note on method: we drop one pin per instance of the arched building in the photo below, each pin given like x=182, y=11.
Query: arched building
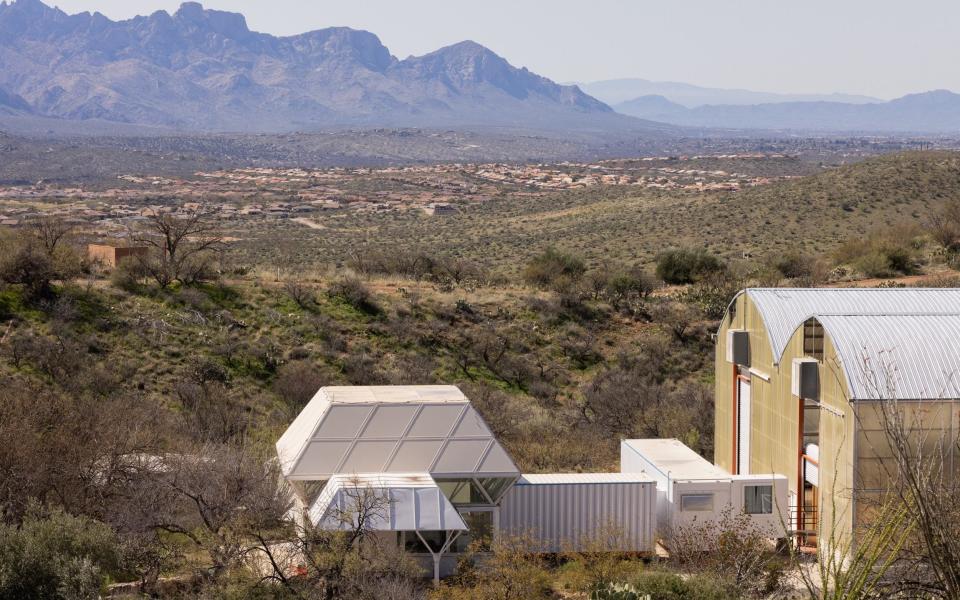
x=803, y=377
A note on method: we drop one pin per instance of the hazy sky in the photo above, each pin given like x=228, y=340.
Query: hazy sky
x=882, y=48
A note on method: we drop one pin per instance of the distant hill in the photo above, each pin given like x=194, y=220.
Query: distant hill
x=616, y=91
x=205, y=69
x=930, y=112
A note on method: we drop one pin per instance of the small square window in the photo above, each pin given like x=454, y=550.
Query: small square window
x=696, y=502
x=758, y=499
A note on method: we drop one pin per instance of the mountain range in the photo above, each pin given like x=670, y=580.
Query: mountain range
x=617, y=91
x=930, y=112
x=201, y=69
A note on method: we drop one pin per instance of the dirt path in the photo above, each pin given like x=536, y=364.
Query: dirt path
x=907, y=280
x=309, y=223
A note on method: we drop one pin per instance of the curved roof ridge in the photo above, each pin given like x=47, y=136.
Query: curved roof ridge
x=784, y=309
x=897, y=359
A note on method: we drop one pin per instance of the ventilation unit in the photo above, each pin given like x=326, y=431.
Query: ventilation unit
x=805, y=380
x=738, y=347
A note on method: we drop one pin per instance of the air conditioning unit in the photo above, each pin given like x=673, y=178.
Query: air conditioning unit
x=805, y=378
x=738, y=347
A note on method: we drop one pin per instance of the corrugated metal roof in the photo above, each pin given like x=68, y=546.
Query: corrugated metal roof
x=913, y=357
x=575, y=478
x=673, y=458
x=785, y=309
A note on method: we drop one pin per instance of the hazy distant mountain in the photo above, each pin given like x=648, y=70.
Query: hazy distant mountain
x=204, y=69
x=931, y=112
x=616, y=91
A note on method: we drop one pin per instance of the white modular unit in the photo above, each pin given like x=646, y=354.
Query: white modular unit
x=573, y=512
x=692, y=490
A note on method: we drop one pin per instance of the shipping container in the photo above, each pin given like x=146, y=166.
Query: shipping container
x=576, y=512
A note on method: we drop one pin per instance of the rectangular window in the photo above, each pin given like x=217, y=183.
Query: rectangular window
x=758, y=499
x=696, y=502
x=480, y=525
x=813, y=339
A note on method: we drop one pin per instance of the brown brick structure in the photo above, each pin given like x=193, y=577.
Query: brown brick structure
x=111, y=256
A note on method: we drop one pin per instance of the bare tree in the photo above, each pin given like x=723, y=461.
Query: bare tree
x=341, y=557
x=845, y=570
x=49, y=232
x=945, y=225
x=221, y=496
x=183, y=245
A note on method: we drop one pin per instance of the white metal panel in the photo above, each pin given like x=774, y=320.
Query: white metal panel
x=569, y=478
x=472, y=425
x=903, y=357
x=496, y=461
x=415, y=455
x=460, y=456
x=571, y=516
x=435, y=420
x=368, y=456
x=324, y=457
x=667, y=458
x=342, y=421
x=407, y=502
x=785, y=309
x=743, y=427
x=389, y=421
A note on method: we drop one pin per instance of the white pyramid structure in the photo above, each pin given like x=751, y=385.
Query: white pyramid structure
x=360, y=430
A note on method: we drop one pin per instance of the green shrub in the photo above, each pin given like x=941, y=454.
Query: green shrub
x=56, y=555
x=686, y=265
x=353, y=291
x=669, y=586
x=895, y=251
x=553, y=268
x=794, y=265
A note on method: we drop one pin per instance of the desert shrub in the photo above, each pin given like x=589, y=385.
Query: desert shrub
x=597, y=564
x=24, y=263
x=301, y=293
x=711, y=296
x=627, y=288
x=554, y=269
x=128, y=275
x=661, y=585
x=944, y=281
x=677, y=317
x=732, y=549
x=355, y=293
x=56, y=555
x=686, y=265
x=794, y=265
x=945, y=225
x=894, y=251
x=509, y=572
x=953, y=260
x=297, y=382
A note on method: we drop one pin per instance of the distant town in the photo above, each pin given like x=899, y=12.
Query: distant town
x=304, y=194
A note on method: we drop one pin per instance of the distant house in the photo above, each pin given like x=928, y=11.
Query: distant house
x=111, y=256
x=440, y=208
